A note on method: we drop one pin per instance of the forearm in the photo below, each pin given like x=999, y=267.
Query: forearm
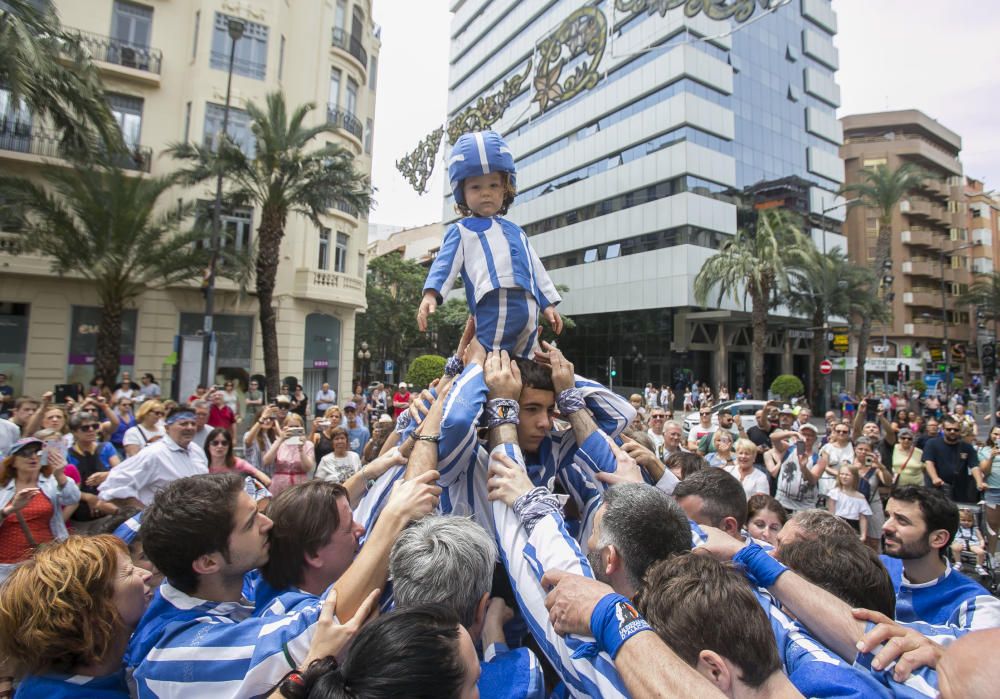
x=128, y=503
x=390, y=441
x=826, y=616
x=649, y=668
x=272, y=453
x=583, y=425
x=502, y=434
x=863, y=525
x=931, y=470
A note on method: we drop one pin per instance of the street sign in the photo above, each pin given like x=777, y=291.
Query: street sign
x=880, y=349
x=841, y=339
x=825, y=367
x=389, y=366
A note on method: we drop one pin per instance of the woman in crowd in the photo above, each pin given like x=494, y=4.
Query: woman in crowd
x=765, y=518
x=421, y=652
x=94, y=460
x=253, y=404
x=907, y=460
x=126, y=420
x=380, y=432
x=752, y=480
x=150, y=390
x=797, y=481
x=67, y=615
x=341, y=463
x=848, y=503
x=50, y=417
x=31, y=500
x=147, y=429
x=322, y=436
x=259, y=439
x=219, y=450
x=231, y=398
x=98, y=389
x=124, y=390
x=838, y=451
x=872, y=474
x=300, y=403
x=377, y=402
x=292, y=456
x=987, y=475
x=722, y=444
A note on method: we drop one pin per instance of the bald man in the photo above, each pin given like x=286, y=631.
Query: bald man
x=964, y=671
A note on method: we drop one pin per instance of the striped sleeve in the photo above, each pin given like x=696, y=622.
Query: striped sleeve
x=611, y=412
x=922, y=683
x=975, y=613
x=543, y=289
x=459, y=442
x=447, y=264
x=550, y=547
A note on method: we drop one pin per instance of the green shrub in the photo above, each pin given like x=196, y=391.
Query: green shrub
x=425, y=369
x=787, y=386
x=918, y=385
x=957, y=384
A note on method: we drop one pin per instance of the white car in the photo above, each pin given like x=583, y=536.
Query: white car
x=744, y=410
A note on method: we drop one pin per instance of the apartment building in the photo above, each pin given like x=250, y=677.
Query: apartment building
x=164, y=65
x=934, y=255
x=632, y=125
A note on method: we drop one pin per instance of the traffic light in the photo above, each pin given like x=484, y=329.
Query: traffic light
x=988, y=359
x=611, y=366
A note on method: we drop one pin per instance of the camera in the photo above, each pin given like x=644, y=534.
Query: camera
x=869, y=460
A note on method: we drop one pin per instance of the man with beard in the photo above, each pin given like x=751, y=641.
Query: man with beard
x=138, y=479
x=920, y=524
x=948, y=461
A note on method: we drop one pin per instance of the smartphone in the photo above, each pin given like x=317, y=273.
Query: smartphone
x=869, y=460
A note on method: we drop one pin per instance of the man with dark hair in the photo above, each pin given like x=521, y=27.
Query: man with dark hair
x=920, y=524
x=845, y=567
x=813, y=524
x=136, y=480
x=198, y=637
x=713, y=497
x=949, y=460
x=708, y=614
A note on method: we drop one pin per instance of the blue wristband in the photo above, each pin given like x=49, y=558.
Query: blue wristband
x=759, y=567
x=614, y=621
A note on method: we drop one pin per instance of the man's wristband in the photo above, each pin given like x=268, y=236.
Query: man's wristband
x=570, y=401
x=428, y=437
x=502, y=411
x=614, y=621
x=758, y=565
x=454, y=366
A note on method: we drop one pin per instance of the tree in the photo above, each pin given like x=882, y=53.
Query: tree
x=50, y=69
x=787, y=386
x=425, y=369
x=984, y=295
x=394, y=289
x=752, y=265
x=881, y=189
x=823, y=286
x=100, y=223
x=289, y=172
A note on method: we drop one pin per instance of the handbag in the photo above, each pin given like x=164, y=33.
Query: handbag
x=27, y=532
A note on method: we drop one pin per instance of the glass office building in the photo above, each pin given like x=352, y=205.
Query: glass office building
x=633, y=125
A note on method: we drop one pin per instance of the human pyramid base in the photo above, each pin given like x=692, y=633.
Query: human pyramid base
x=511, y=530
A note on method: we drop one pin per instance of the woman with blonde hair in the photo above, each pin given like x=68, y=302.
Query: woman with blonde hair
x=722, y=450
x=322, y=436
x=148, y=427
x=51, y=417
x=752, y=480
x=67, y=615
x=31, y=500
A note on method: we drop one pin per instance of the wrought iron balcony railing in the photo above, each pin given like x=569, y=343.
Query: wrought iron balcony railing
x=351, y=44
x=343, y=119
x=122, y=53
x=21, y=138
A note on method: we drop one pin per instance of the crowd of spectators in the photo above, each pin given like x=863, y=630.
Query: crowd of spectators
x=520, y=533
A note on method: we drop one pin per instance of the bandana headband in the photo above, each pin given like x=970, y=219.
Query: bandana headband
x=177, y=417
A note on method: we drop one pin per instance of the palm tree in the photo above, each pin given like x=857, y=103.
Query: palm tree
x=752, y=264
x=984, y=294
x=823, y=286
x=100, y=223
x=881, y=189
x=289, y=172
x=49, y=69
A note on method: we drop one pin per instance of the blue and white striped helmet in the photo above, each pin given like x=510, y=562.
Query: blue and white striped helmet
x=478, y=153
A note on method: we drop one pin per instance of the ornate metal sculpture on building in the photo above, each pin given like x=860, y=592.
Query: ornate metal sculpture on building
x=583, y=32
x=418, y=165
x=739, y=10
x=487, y=110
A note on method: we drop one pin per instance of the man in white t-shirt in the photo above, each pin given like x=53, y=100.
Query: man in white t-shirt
x=325, y=397
x=703, y=427
x=657, y=421
x=201, y=411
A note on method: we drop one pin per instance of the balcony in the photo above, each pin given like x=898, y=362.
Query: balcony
x=343, y=207
x=343, y=119
x=925, y=239
x=34, y=142
x=352, y=46
x=931, y=299
x=321, y=285
x=115, y=52
x=923, y=207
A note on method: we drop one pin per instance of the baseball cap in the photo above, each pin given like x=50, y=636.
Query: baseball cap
x=350, y=406
x=786, y=409
x=283, y=399
x=22, y=444
x=808, y=426
x=402, y=384
x=384, y=418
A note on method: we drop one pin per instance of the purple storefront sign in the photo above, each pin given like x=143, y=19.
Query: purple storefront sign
x=320, y=364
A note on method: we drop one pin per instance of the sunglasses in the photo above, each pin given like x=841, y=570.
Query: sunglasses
x=89, y=428
x=29, y=452
x=909, y=438
x=952, y=429
x=219, y=443
x=158, y=412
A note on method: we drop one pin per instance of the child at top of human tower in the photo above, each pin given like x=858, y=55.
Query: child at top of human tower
x=505, y=283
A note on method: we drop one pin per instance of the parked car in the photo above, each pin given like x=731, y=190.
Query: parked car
x=744, y=410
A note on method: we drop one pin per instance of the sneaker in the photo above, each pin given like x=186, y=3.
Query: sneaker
x=981, y=571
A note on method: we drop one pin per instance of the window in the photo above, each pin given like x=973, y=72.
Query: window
x=340, y=259
x=238, y=129
x=127, y=111
x=369, y=127
x=590, y=255
x=281, y=57
x=236, y=225
x=250, y=57
x=340, y=15
x=357, y=24
x=187, y=122
x=614, y=250
x=15, y=122
x=194, y=43
x=351, y=101
x=324, y=249
x=874, y=162
x=334, y=100
x=372, y=73
x=131, y=24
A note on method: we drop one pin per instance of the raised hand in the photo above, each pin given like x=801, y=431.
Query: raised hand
x=414, y=498
x=562, y=369
x=507, y=480
x=428, y=304
x=572, y=600
x=332, y=637
x=502, y=376
x=555, y=320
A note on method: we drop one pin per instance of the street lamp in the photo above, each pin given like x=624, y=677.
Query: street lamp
x=887, y=297
x=822, y=214
x=944, y=317
x=236, y=28
x=363, y=357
